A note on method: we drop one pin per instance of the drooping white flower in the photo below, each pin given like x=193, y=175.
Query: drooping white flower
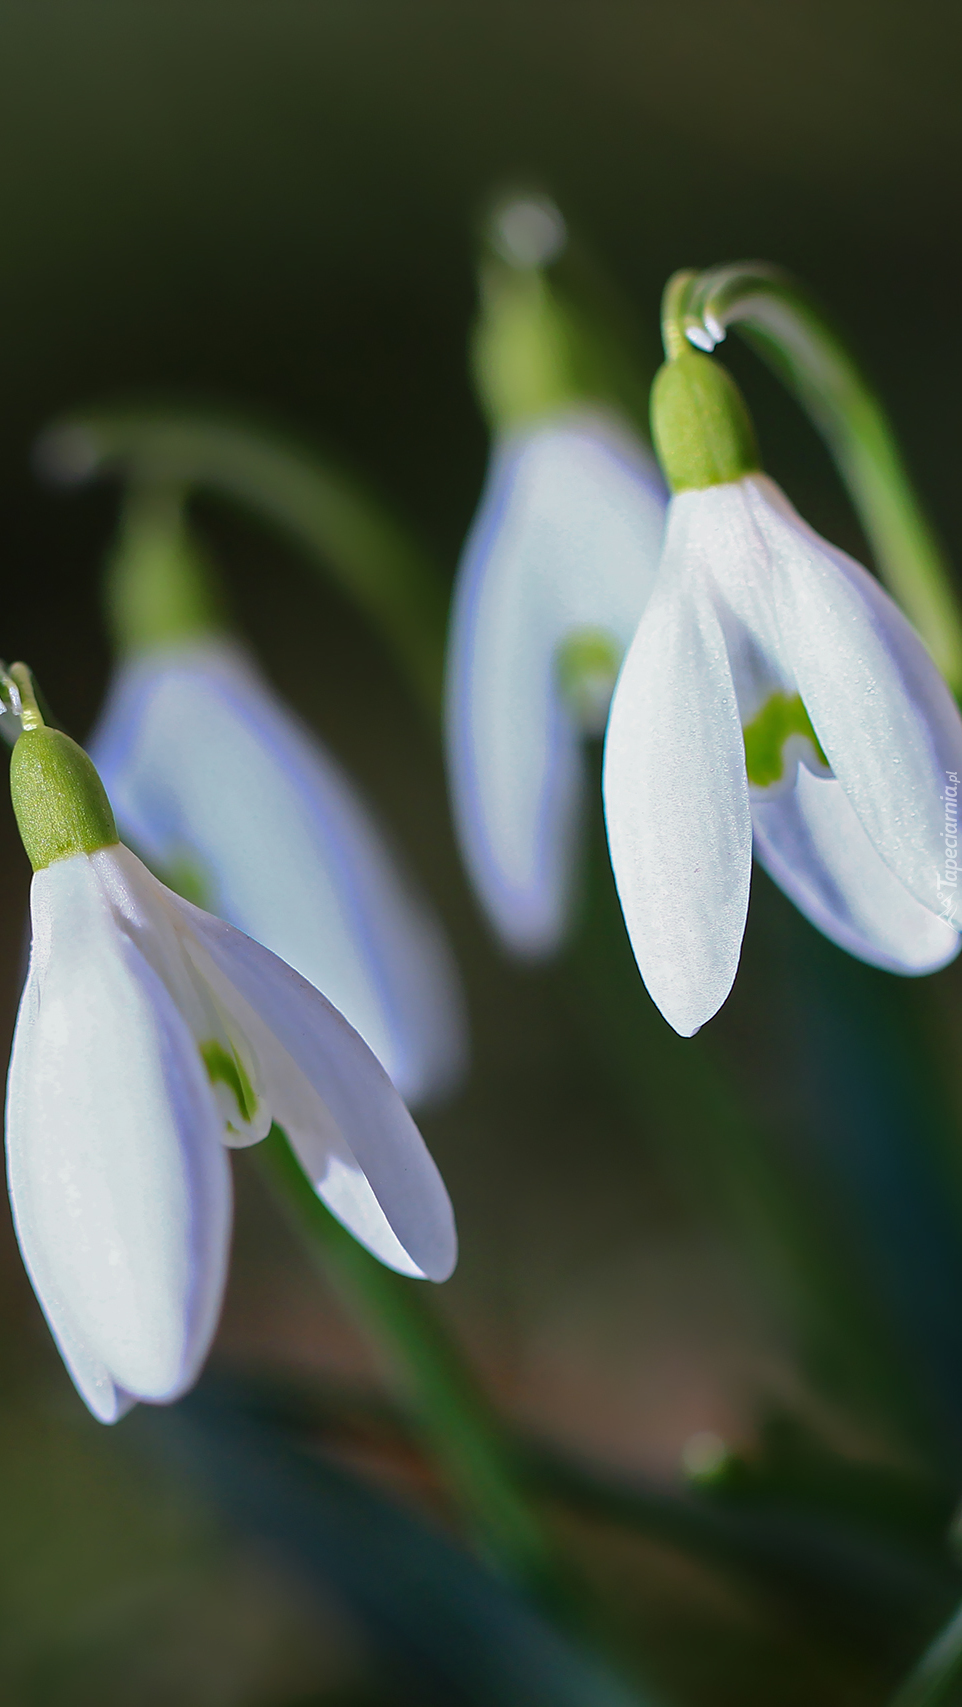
x=151, y=1035
x=554, y=576
x=214, y=780
x=773, y=692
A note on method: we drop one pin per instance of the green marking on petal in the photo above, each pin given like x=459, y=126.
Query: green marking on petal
x=228, y=1069
x=765, y=736
x=187, y=876
x=588, y=661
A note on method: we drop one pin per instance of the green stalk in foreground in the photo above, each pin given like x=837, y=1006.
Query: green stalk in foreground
x=781, y=322
x=457, y=1425
x=936, y=1681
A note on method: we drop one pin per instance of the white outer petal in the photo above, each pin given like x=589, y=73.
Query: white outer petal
x=811, y=842
x=119, y=1182
x=354, y=1136
x=200, y=757
x=886, y=720
x=676, y=796
x=567, y=537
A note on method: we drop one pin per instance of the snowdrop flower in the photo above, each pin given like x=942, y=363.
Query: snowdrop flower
x=553, y=579
x=150, y=1035
x=218, y=786
x=773, y=693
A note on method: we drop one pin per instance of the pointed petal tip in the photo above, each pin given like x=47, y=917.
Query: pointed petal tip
x=528, y=936
x=941, y=958
x=343, y=1117
x=416, y=1240
x=686, y=1030
x=687, y=1017
x=123, y=1404
x=445, y=1261
x=438, y=1266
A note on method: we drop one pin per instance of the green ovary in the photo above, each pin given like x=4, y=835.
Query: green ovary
x=765, y=736
x=227, y=1069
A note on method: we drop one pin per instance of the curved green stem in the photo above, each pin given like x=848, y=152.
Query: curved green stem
x=776, y=316
x=935, y=1680
x=674, y=312
x=331, y=517
x=463, y=1435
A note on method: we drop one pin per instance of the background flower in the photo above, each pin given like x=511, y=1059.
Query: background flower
x=224, y=791
x=554, y=576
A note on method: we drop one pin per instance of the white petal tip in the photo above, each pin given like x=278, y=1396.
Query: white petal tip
x=124, y=1403
x=689, y=1014
x=686, y=1027
x=443, y=1267
x=528, y=923
x=938, y=952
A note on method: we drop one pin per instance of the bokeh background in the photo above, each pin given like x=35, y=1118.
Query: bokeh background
x=275, y=206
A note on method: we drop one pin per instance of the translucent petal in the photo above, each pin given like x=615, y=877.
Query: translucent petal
x=140, y=905
x=885, y=719
x=676, y=797
x=208, y=771
x=567, y=538
x=353, y=1134
x=119, y=1182
x=811, y=842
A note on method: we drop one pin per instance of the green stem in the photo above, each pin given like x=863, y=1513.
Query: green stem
x=339, y=525
x=775, y=315
x=160, y=589
x=674, y=313
x=456, y=1422
x=937, y=1676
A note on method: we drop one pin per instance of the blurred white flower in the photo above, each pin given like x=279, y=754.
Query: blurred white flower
x=555, y=574
x=220, y=788
x=149, y=1036
x=772, y=685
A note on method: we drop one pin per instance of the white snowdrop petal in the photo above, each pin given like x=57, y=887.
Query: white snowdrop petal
x=676, y=797
x=885, y=719
x=353, y=1134
x=90, y=1374
x=566, y=539
x=119, y=1183
x=812, y=843
x=205, y=767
